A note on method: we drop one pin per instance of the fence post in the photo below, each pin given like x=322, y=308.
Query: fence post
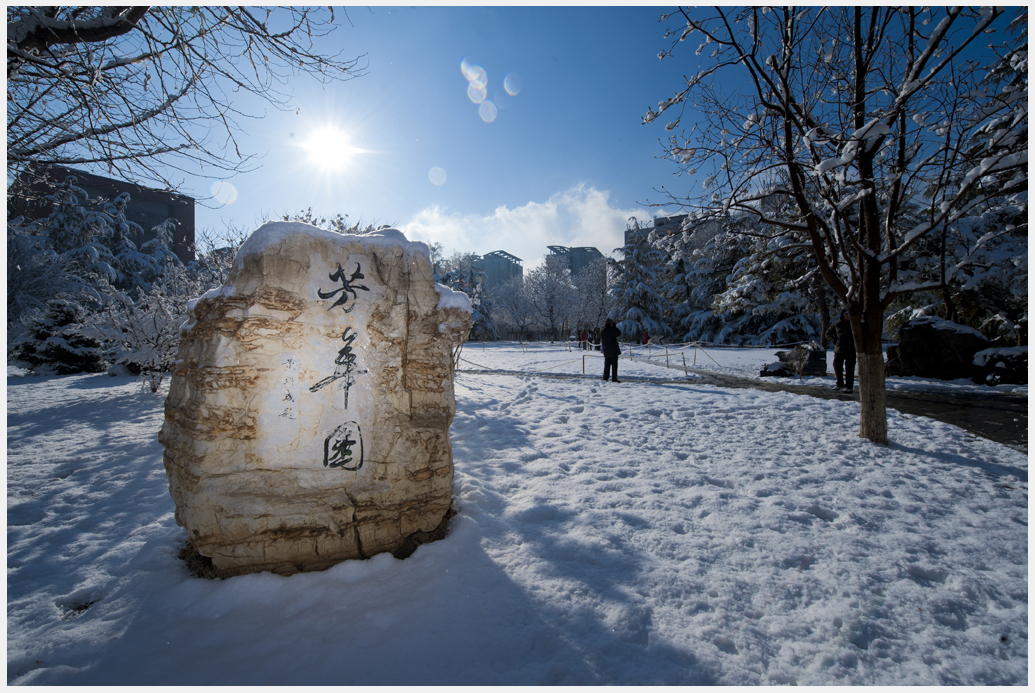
x=583, y=364
x=685, y=371
x=666, y=357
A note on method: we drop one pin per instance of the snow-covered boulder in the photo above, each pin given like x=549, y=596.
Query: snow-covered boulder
x=1006, y=365
x=804, y=359
x=308, y=416
x=931, y=347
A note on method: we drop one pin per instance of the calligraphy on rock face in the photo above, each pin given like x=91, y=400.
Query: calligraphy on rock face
x=343, y=448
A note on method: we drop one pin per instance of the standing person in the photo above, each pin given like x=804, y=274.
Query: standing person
x=646, y=337
x=609, y=343
x=772, y=338
x=844, y=353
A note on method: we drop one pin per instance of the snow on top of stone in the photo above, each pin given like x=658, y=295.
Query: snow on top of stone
x=982, y=357
x=448, y=298
x=273, y=232
x=942, y=324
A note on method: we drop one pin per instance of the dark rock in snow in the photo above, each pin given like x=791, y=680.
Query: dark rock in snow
x=931, y=347
x=806, y=359
x=1002, y=366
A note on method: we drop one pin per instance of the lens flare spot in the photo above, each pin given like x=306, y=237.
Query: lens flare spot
x=475, y=74
x=512, y=83
x=476, y=93
x=223, y=192
x=437, y=175
x=487, y=111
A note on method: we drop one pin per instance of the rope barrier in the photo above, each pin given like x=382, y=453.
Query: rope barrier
x=476, y=364
x=488, y=368
x=631, y=355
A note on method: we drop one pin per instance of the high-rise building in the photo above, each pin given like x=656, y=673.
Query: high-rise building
x=499, y=268
x=577, y=258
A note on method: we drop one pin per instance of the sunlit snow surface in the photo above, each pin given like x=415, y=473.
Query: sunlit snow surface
x=633, y=533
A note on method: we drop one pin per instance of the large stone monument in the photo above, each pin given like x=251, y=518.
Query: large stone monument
x=308, y=417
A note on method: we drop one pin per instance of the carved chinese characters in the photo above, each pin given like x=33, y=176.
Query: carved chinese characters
x=308, y=417
x=343, y=448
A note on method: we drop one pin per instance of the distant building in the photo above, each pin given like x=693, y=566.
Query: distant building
x=147, y=207
x=669, y=224
x=578, y=258
x=499, y=268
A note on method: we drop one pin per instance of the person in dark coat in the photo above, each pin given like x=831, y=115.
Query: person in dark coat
x=609, y=345
x=840, y=333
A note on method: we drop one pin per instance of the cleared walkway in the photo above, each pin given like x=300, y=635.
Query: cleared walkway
x=1002, y=417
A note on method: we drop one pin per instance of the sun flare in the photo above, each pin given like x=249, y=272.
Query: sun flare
x=329, y=148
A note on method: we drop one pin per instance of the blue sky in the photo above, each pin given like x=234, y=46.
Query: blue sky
x=565, y=161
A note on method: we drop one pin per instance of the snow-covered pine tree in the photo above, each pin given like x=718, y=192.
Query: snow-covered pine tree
x=699, y=257
x=976, y=271
x=58, y=340
x=638, y=302
x=772, y=289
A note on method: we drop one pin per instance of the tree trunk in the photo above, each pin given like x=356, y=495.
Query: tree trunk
x=867, y=329
x=820, y=287
x=873, y=413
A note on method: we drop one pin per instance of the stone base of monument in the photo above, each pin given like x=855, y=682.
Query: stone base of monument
x=308, y=416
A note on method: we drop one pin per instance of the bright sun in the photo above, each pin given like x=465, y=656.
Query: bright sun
x=329, y=148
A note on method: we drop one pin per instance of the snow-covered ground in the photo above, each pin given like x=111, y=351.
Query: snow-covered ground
x=743, y=362
x=647, y=532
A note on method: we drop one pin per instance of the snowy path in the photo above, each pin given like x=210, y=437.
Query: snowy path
x=633, y=534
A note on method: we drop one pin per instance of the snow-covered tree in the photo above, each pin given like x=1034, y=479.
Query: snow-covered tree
x=551, y=295
x=462, y=273
x=857, y=116
x=513, y=306
x=338, y=223
x=699, y=258
x=69, y=267
x=636, y=290
x=593, y=300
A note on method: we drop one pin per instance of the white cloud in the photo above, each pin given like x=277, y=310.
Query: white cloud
x=579, y=216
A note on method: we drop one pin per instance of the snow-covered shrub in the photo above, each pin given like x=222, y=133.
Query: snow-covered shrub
x=143, y=333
